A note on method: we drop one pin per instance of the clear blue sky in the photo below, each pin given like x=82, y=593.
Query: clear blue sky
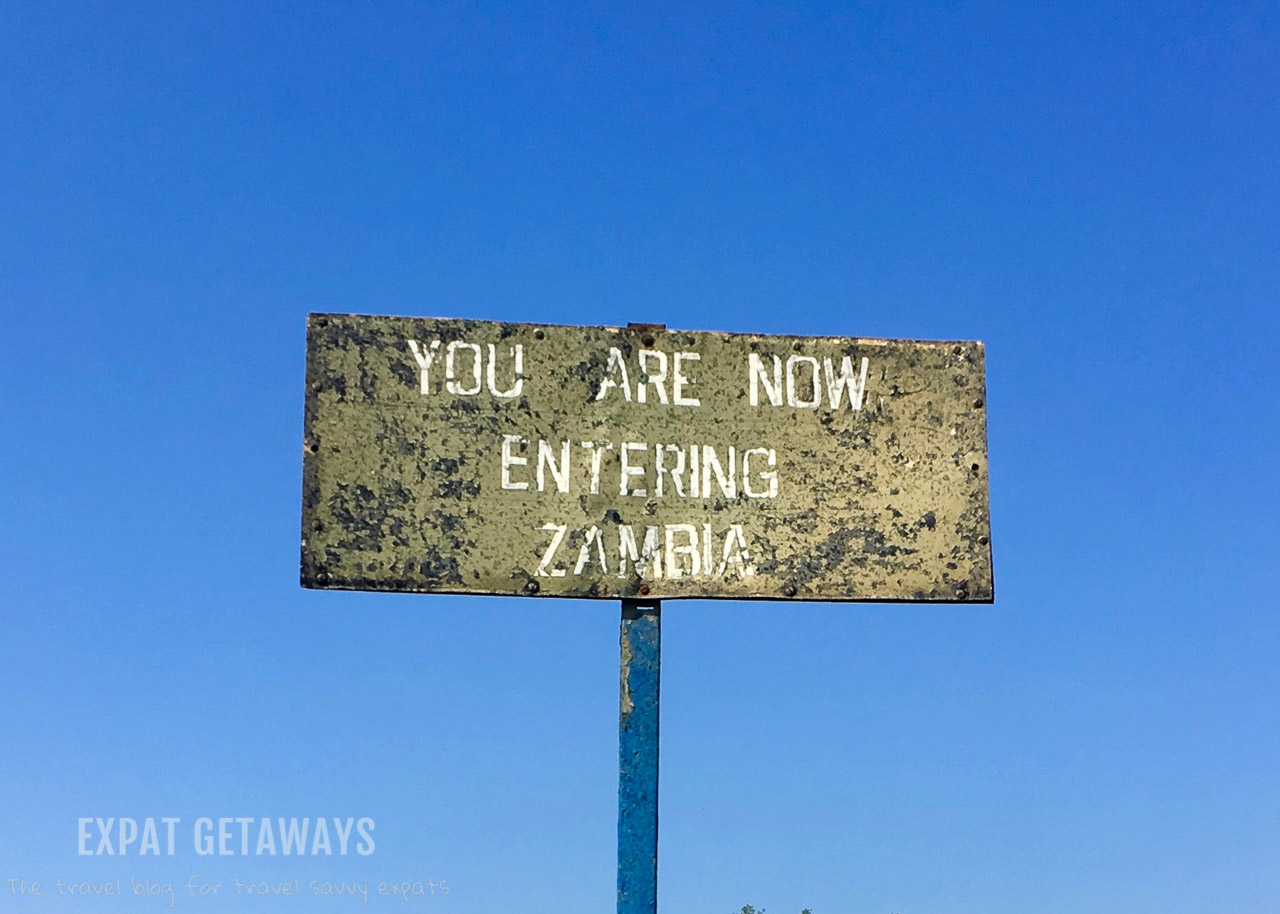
x=1091, y=189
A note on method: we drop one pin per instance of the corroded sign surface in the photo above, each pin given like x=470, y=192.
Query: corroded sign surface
x=456, y=456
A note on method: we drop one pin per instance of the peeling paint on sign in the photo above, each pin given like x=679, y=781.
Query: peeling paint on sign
x=458, y=456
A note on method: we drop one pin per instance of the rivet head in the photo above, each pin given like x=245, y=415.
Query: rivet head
x=538, y=335
x=789, y=590
x=978, y=403
x=322, y=577
x=322, y=321
x=647, y=339
x=317, y=386
x=532, y=587
x=643, y=590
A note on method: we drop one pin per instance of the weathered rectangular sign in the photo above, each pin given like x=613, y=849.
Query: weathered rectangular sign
x=459, y=456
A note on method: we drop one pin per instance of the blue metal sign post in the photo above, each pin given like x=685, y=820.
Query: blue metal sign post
x=641, y=643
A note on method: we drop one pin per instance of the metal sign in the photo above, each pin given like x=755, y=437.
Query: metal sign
x=458, y=456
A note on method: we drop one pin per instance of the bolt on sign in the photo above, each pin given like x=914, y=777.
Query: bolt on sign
x=479, y=457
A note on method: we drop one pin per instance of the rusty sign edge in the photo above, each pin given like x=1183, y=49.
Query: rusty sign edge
x=649, y=328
